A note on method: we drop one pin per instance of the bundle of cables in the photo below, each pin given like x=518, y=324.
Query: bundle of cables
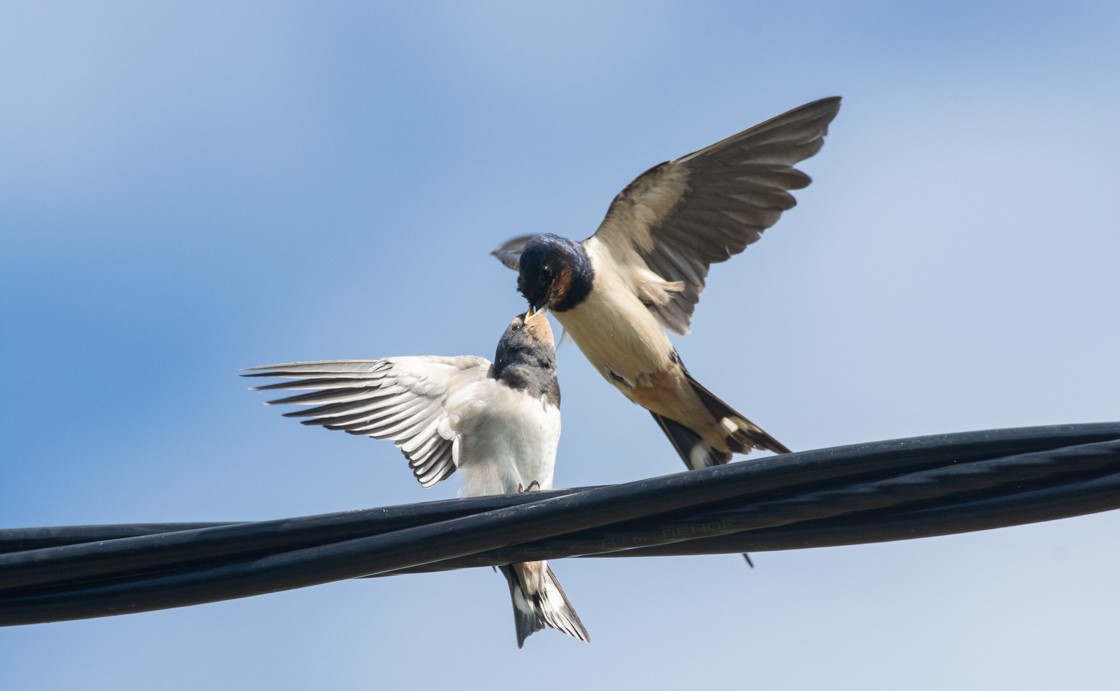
x=890, y=490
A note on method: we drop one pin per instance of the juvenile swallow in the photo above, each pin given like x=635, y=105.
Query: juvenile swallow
x=643, y=271
x=497, y=423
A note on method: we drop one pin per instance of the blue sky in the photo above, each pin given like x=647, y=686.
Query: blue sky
x=186, y=190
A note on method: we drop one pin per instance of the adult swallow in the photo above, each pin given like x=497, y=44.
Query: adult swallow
x=643, y=271
x=497, y=423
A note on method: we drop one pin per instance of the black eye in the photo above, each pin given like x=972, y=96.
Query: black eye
x=547, y=270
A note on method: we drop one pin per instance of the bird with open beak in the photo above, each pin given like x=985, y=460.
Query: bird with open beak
x=497, y=423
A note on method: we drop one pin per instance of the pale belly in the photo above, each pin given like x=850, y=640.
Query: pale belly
x=510, y=452
x=634, y=355
x=626, y=344
x=630, y=349
x=620, y=337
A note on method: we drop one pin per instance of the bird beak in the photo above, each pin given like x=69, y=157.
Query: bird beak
x=530, y=313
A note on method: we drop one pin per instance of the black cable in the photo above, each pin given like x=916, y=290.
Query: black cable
x=962, y=446
x=104, y=556
x=1013, y=490
x=104, y=551
x=920, y=486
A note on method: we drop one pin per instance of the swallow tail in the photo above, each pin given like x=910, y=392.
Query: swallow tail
x=740, y=434
x=693, y=450
x=539, y=601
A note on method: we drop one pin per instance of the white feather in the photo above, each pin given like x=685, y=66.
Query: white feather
x=508, y=443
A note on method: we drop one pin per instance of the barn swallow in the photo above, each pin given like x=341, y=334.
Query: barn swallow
x=497, y=423
x=643, y=271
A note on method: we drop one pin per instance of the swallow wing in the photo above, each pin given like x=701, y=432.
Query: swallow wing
x=403, y=399
x=510, y=252
x=669, y=225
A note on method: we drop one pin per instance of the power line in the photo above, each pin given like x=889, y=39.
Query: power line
x=870, y=492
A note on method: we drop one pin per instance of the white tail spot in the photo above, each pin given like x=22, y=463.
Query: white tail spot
x=698, y=457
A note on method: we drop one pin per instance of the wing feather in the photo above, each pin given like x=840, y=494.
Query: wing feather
x=678, y=218
x=403, y=399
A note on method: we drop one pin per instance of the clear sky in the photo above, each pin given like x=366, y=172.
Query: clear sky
x=188, y=189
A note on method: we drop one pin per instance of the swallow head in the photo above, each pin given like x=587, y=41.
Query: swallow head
x=537, y=329
x=527, y=339
x=553, y=273
x=526, y=358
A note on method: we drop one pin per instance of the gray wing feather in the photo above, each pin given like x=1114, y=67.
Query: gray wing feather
x=680, y=217
x=402, y=399
x=510, y=251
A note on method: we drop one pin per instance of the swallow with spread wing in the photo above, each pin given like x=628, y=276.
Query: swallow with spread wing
x=497, y=423
x=643, y=271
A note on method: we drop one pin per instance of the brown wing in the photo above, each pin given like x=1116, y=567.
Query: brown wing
x=678, y=218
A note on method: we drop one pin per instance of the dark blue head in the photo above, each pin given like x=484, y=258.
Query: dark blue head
x=554, y=272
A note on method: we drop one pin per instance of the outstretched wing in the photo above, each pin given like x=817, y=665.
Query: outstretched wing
x=402, y=399
x=678, y=218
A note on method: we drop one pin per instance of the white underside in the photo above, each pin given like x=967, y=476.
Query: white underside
x=615, y=331
x=507, y=444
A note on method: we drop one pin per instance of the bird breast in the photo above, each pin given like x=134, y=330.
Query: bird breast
x=616, y=332
x=509, y=443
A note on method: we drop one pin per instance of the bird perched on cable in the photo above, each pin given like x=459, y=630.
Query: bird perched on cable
x=643, y=271
x=497, y=423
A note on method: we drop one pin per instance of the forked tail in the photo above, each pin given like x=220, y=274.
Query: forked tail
x=539, y=601
x=740, y=434
x=691, y=447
